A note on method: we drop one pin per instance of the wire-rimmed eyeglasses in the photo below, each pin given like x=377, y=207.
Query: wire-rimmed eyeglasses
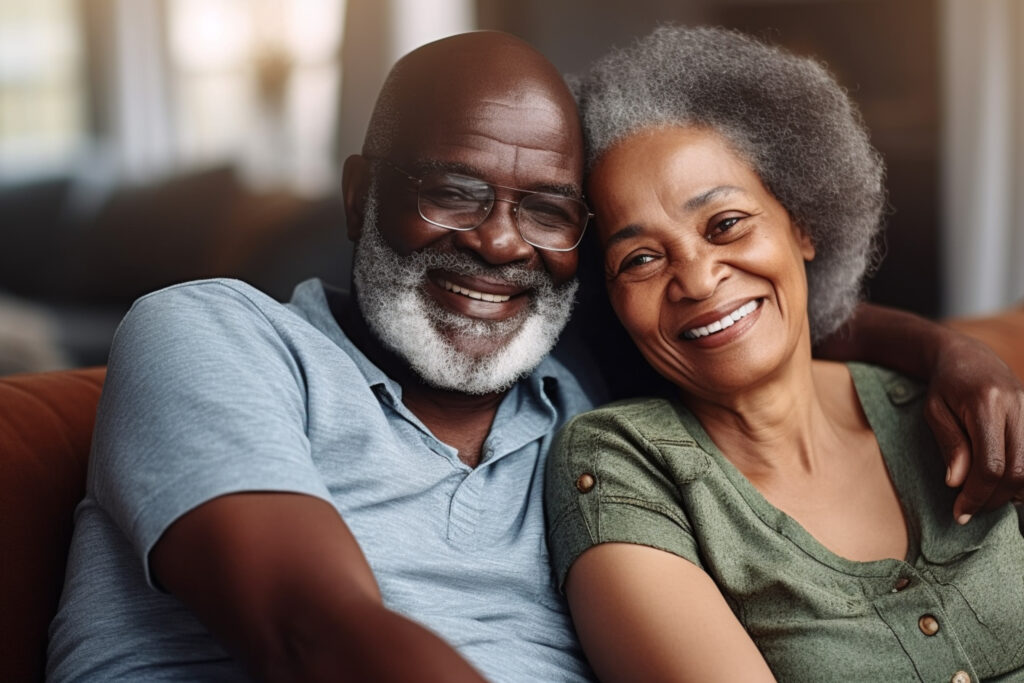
x=460, y=202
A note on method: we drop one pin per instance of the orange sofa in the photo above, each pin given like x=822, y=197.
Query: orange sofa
x=46, y=424
x=45, y=428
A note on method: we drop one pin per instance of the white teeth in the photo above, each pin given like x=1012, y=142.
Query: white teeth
x=472, y=294
x=727, y=321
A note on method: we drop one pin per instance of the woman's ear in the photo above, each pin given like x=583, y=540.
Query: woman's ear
x=355, y=182
x=803, y=238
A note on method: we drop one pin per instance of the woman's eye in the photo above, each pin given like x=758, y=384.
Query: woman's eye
x=720, y=228
x=727, y=223
x=636, y=261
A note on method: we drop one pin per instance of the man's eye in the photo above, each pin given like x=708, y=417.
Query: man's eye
x=549, y=214
x=451, y=195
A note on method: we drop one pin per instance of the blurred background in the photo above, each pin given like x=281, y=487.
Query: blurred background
x=146, y=142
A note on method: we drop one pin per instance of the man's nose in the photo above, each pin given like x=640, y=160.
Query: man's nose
x=497, y=239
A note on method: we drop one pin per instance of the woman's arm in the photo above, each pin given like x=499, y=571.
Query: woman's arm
x=644, y=614
x=975, y=404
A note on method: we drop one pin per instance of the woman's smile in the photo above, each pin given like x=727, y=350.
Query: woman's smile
x=723, y=323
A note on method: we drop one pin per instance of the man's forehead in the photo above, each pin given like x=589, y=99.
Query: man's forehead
x=510, y=129
x=529, y=123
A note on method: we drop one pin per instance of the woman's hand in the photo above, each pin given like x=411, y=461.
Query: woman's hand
x=976, y=409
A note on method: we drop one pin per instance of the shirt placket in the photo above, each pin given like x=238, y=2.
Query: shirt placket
x=914, y=613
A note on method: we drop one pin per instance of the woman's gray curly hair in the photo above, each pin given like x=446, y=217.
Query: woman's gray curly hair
x=784, y=114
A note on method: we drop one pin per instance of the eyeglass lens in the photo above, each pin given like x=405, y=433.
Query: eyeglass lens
x=463, y=203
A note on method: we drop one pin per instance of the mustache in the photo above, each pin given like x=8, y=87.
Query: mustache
x=464, y=263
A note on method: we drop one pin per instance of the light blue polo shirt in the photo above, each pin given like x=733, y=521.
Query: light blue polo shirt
x=215, y=388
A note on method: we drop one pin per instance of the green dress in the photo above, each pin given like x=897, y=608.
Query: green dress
x=645, y=472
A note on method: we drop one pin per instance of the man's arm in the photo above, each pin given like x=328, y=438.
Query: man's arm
x=975, y=404
x=280, y=581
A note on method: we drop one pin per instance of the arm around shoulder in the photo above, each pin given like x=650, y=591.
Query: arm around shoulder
x=975, y=403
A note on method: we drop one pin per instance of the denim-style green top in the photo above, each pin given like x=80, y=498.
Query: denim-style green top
x=953, y=610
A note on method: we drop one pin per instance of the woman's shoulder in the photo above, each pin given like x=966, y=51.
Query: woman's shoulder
x=633, y=434
x=638, y=420
x=877, y=384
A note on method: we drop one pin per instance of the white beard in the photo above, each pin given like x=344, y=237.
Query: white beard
x=390, y=294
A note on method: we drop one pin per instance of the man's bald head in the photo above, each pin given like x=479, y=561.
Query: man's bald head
x=454, y=75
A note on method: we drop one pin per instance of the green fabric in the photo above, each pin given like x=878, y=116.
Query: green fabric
x=661, y=482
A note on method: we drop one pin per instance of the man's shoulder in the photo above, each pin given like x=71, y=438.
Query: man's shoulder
x=222, y=312
x=216, y=294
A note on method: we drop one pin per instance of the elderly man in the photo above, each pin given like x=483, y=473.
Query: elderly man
x=350, y=488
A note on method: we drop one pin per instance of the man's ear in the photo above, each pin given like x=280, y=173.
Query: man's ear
x=355, y=182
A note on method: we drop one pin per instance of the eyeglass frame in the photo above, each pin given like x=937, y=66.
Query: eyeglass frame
x=515, y=202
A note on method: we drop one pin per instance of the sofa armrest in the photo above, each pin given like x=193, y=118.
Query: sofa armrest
x=46, y=422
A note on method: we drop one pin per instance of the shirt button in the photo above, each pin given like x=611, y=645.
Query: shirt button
x=900, y=584
x=960, y=677
x=585, y=482
x=928, y=624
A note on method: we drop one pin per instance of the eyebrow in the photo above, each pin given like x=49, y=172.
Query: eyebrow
x=704, y=198
x=428, y=165
x=691, y=205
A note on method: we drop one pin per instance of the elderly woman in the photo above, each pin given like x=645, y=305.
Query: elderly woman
x=784, y=517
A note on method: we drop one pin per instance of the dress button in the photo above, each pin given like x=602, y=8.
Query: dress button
x=928, y=624
x=585, y=482
x=960, y=677
x=900, y=584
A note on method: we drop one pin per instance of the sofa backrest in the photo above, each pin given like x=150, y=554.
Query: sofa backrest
x=1003, y=332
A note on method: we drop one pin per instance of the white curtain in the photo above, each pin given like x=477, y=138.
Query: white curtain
x=983, y=155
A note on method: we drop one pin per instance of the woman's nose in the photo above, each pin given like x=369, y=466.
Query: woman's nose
x=696, y=275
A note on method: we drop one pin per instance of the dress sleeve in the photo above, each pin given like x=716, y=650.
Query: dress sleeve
x=203, y=398
x=615, y=475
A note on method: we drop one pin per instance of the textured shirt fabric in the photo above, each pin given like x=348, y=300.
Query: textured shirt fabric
x=660, y=481
x=214, y=388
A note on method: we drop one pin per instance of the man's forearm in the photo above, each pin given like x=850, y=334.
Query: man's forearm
x=370, y=643
x=892, y=338
x=281, y=582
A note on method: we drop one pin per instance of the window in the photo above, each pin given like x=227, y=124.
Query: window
x=258, y=81
x=42, y=112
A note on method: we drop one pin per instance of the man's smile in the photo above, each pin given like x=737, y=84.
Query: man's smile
x=473, y=294
x=478, y=296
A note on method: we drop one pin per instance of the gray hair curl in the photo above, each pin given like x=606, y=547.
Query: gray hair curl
x=785, y=114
